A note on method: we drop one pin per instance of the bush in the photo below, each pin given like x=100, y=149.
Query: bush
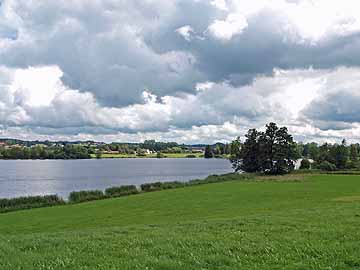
x=148, y=187
x=351, y=165
x=121, y=191
x=190, y=156
x=305, y=164
x=159, y=155
x=327, y=166
x=222, y=178
x=171, y=185
x=7, y=205
x=84, y=196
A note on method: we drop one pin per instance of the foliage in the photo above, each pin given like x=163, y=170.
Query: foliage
x=121, y=191
x=305, y=164
x=147, y=187
x=235, y=154
x=98, y=154
x=172, y=185
x=327, y=166
x=341, y=155
x=8, y=205
x=354, y=152
x=68, y=151
x=222, y=178
x=159, y=155
x=85, y=195
x=272, y=151
x=153, y=145
x=208, y=152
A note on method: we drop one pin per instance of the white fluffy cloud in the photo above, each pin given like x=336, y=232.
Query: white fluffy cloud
x=225, y=29
x=306, y=20
x=308, y=101
x=129, y=70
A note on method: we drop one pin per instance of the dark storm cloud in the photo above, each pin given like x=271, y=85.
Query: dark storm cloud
x=335, y=111
x=117, y=49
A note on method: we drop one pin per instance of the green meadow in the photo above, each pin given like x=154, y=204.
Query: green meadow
x=288, y=222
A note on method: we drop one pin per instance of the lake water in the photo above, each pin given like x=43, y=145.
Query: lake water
x=40, y=177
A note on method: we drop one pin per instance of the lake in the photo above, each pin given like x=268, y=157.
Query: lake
x=40, y=177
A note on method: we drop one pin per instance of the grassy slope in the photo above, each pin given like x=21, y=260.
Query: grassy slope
x=254, y=225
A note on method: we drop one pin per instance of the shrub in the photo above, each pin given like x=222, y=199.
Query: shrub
x=159, y=155
x=121, y=191
x=221, y=178
x=327, y=166
x=84, y=196
x=7, y=205
x=148, y=187
x=190, y=156
x=305, y=164
x=171, y=185
x=351, y=165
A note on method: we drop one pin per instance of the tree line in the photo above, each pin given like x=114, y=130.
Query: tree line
x=330, y=157
x=68, y=151
x=274, y=151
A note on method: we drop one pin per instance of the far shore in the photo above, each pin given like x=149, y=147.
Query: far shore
x=164, y=155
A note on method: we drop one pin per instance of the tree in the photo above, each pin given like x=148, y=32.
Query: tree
x=208, y=152
x=272, y=151
x=98, y=154
x=159, y=155
x=305, y=164
x=277, y=150
x=312, y=151
x=235, y=154
x=249, y=153
x=327, y=166
x=341, y=155
x=354, y=152
x=267, y=148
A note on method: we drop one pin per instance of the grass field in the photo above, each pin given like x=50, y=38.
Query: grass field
x=165, y=155
x=298, y=222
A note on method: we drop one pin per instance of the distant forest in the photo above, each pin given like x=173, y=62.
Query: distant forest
x=19, y=149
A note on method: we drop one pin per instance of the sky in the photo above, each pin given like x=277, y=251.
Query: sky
x=191, y=71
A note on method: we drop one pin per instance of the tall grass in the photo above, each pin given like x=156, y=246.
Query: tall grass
x=121, y=191
x=85, y=196
x=21, y=203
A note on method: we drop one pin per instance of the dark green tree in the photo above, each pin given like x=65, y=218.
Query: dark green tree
x=341, y=155
x=272, y=151
x=354, y=152
x=208, y=152
x=277, y=150
x=305, y=164
x=249, y=153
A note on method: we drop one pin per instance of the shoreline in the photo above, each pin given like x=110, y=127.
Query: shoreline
x=50, y=200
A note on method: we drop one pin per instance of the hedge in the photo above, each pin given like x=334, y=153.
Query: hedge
x=121, y=191
x=85, y=196
x=21, y=203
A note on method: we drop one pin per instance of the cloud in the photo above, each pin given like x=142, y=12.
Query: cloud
x=132, y=68
x=225, y=29
x=186, y=32
x=290, y=97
